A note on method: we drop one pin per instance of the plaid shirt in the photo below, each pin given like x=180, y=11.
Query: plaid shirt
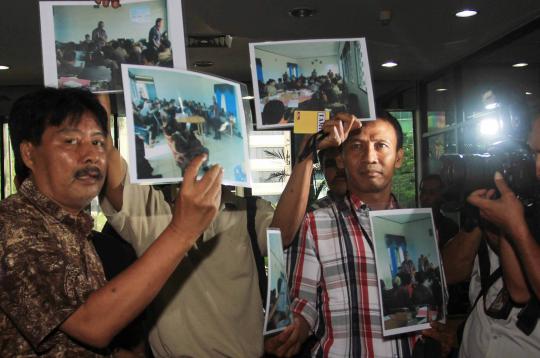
x=334, y=283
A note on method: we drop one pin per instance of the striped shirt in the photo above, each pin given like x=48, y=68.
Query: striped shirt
x=334, y=283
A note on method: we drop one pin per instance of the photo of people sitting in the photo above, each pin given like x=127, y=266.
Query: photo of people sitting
x=90, y=54
x=179, y=115
x=409, y=271
x=310, y=76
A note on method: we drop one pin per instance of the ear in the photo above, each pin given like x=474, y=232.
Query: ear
x=399, y=158
x=27, y=154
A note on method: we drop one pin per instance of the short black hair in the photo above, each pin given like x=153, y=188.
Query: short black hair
x=159, y=19
x=32, y=113
x=273, y=112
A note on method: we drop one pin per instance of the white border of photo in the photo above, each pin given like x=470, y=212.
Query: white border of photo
x=175, y=28
x=379, y=261
x=131, y=130
x=254, y=78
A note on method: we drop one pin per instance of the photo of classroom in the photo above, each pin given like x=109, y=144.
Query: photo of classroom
x=408, y=270
x=310, y=75
x=278, y=305
x=90, y=49
x=178, y=115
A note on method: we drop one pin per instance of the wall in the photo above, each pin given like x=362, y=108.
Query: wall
x=411, y=231
x=328, y=63
x=71, y=23
x=170, y=85
x=273, y=65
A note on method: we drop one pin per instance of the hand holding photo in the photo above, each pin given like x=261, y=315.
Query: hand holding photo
x=310, y=75
x=278, y=313
x=411, y=281
x=175, y=115
x=84, y=44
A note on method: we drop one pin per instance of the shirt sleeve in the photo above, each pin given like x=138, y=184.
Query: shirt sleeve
x=39, y=290
x=263, y=219
x=305, y=272
x=145, y=214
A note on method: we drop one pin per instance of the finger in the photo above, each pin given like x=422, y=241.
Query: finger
x=190, y=174
x=209, y=179
x=490, y=193
x=501, y=184
x=105, y=3
x=341, y=132
x=215, y=190
x=115, y=4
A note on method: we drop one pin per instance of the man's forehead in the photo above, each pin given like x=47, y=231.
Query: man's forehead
x=379, y=128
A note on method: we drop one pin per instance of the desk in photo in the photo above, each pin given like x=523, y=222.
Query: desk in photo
x=198, y=120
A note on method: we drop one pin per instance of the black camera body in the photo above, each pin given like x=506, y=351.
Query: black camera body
x=464, y=173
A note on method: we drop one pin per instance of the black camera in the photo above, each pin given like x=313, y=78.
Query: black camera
x=464, y=173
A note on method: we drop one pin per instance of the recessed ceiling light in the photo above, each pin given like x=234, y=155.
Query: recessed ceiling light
x=466, y=13
x=528, y=93
x=301, y=12
x=3, y=67
x=389, y=64
x=441, y=90
x=248, y=97
x=203, y=64
x=520, y=64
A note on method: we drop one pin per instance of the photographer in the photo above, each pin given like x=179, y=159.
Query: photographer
x=505, y=299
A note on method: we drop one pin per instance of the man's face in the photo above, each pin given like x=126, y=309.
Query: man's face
x=159, y=24
x=430, y=193
x=334, y=172
x=70, y=163
x=534, y=144
x=101, y=24
x=370, y=156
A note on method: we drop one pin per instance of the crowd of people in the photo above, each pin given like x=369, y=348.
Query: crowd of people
x=169, y=120
x=97, y=58
x=327, y=91
x=197, y=263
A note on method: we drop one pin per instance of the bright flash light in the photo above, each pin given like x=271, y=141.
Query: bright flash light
x=491, y=106
x=489, y=127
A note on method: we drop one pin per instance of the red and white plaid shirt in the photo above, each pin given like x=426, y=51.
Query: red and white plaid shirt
x=334, y=283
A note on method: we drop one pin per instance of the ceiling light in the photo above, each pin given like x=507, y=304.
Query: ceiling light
x=248, y=97
x=389, y=64
x=4, y=67
x=466, y=13
x=441, y=90
x=203, y=64
x=301, y=12
x=520, y=64
x=528, y=93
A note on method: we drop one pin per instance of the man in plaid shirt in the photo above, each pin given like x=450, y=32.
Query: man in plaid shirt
x=334, y=282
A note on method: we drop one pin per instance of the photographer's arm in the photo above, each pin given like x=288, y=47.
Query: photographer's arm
x=508, y=214
x=458, y=255
x=292, y=204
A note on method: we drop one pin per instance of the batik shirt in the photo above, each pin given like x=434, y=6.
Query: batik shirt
x=48, y=268
x=334, y=283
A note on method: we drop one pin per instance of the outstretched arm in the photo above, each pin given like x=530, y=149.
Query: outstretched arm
x=111, y=307
x=292, y=204
x=508, y=214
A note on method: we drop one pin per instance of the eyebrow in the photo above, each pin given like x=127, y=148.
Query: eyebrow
x=73, y=129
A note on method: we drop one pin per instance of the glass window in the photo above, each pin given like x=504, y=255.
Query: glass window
x=404, y=181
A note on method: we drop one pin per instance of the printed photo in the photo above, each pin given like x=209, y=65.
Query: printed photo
x=278, y=311
x=84, y=45
x=411, y=282
x=310, y=75
x=175, y=115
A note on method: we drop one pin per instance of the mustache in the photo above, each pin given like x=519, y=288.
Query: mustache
x=91, y=171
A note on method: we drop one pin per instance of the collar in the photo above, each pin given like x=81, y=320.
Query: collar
x=82, y=223
x=359, y=204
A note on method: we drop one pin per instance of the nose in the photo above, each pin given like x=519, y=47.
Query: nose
x=91, y=153
x=370, y=153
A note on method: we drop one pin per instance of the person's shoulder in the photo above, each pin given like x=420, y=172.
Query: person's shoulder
x=18, y=218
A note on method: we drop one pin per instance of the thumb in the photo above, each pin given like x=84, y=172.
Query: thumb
x=501, y=185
